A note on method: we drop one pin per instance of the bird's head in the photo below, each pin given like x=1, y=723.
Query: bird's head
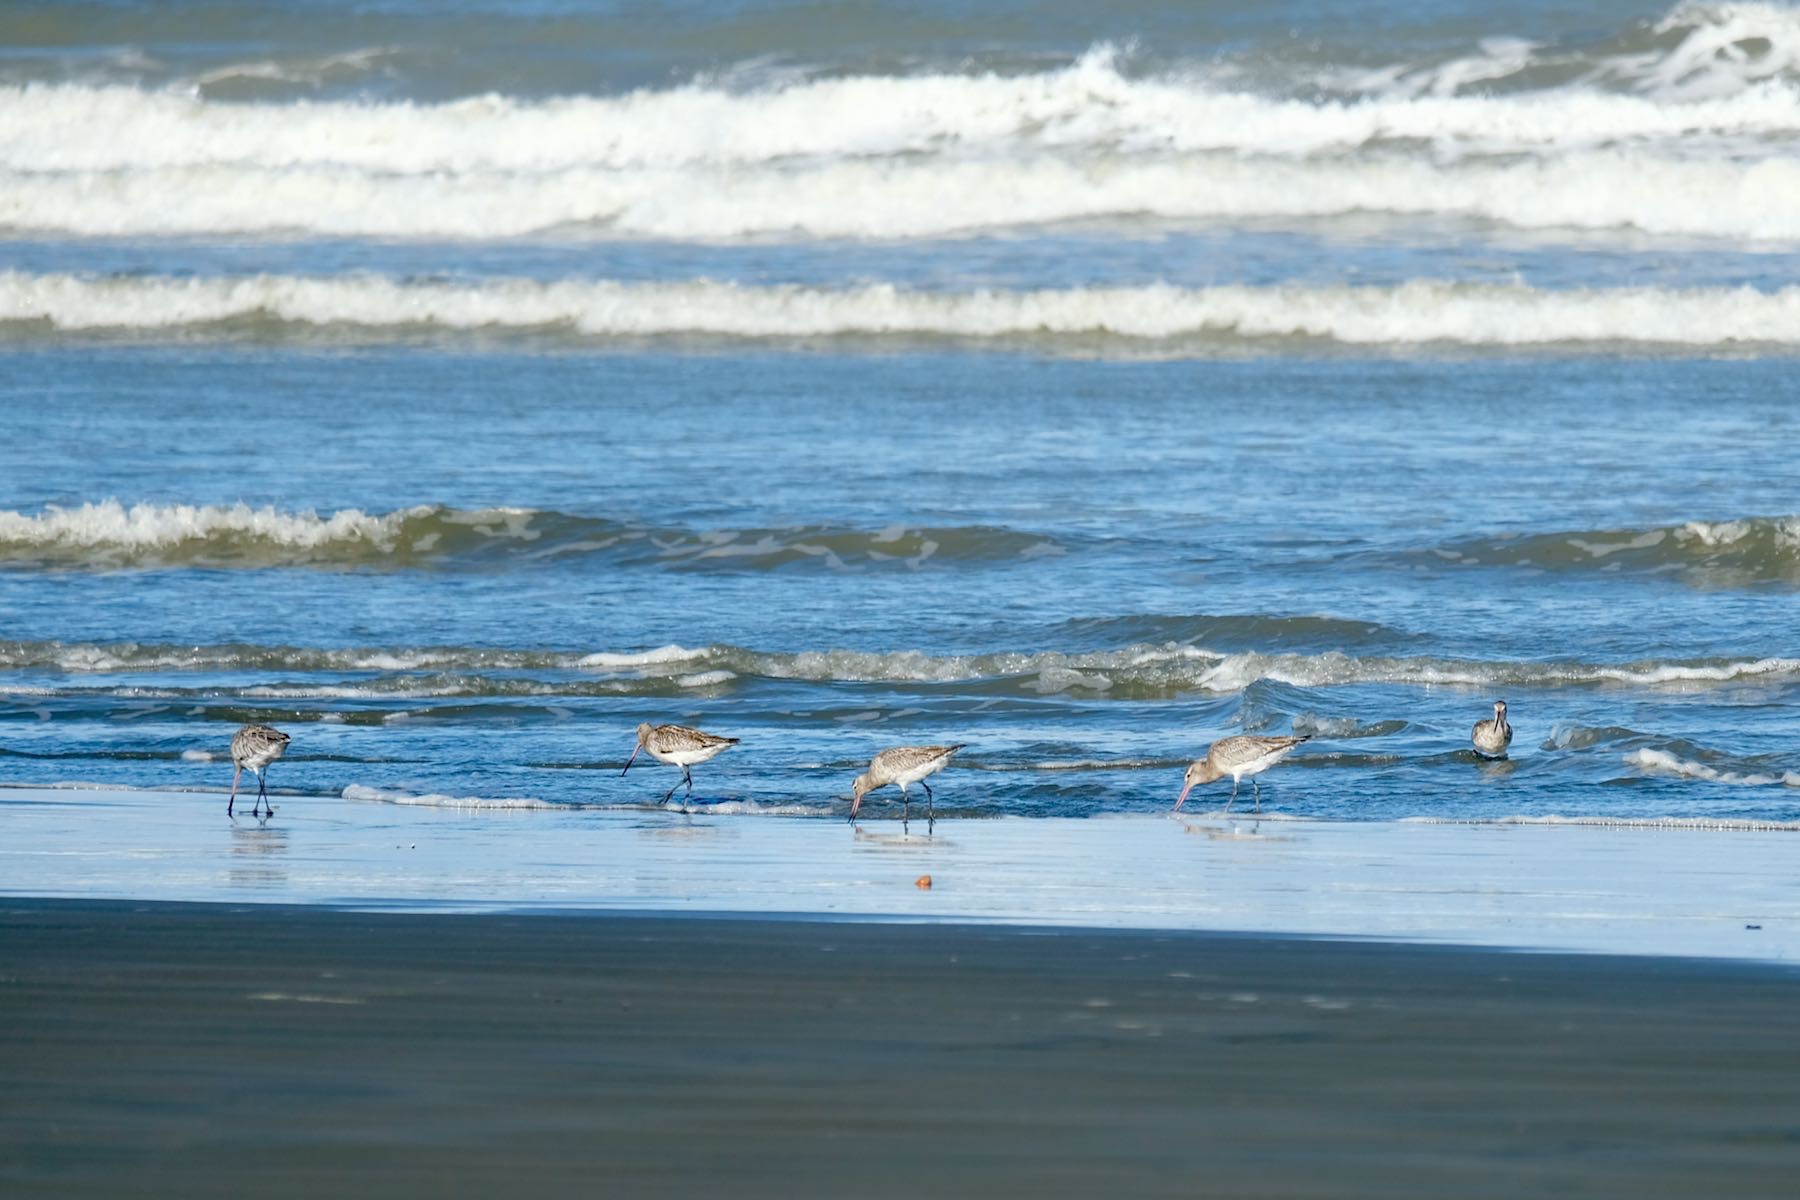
x=862, y=787
x=1197, y=773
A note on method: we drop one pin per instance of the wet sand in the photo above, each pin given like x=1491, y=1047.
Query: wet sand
x=1656, y=889
x=217, y=1050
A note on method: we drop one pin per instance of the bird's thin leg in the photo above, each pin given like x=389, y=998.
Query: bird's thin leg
x=905, y=808
x=930, y=805
x=669, y=795
x=262, y=789
x=1257, y=788
x=1234, y=787
x=232, y=802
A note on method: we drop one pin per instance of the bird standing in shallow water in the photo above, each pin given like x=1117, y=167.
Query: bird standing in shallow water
x=255, y=747
x=678, y=746
x=904, y=765
x=1238, y=757
x=1492, y=737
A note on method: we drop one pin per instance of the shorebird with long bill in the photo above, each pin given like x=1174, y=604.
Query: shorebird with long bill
x=679, y=746
x=255, y=747
x=1238, y=757
x=904, y=765
x=1492, y=737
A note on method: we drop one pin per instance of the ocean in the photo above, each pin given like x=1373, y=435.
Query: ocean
x=457, y=385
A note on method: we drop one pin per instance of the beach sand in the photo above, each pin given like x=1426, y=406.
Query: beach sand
x=216, y=1050
x=422, y=999
x=1678, y=890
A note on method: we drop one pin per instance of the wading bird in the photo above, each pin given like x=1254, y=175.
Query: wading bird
x=1492, y=737
x=678, y=746
x=255, y=747
x=1238, y=757
x=904, y=765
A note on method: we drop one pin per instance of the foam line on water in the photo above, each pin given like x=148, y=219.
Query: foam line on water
x=371, y=795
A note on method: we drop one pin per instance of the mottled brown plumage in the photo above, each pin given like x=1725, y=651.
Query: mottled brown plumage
x=904, y=765
x=1238, y=757
x=1492, y=737
x=679, y=746
x=255, y=747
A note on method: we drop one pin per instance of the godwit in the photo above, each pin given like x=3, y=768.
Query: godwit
x=678, y=746
x=255, y=746
x=1238, y=757
x=904, y=765
x=1491, y=738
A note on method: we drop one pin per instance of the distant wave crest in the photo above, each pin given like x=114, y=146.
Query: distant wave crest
x=1677, y=126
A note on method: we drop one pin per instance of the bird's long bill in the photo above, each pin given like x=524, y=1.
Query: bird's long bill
x=1179, y=799
x=855, y=803
x=632, y=759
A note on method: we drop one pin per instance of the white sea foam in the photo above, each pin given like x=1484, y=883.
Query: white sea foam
x=357, y=791
x=1418, y=312
x=1234, y=672
x=1724, y=48
x=1723, y=534
x=646, y=658
x=1662, y=762
x=758, y=808
x=704, y=679
x=1718, y=50
x=152, y=526
x=1088, y=104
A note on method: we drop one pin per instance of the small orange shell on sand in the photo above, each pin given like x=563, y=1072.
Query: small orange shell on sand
x=923, y=882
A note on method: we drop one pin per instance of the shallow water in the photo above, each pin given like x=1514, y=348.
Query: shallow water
x=1691, y=889
x=457, y=391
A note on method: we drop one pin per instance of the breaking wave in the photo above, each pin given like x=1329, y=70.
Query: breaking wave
x=1682, y=125
x=1160, y=317
x=1694, y=52
x=1602, y=190
x=1720, y=553
x=1093, y=103
x=108, y=534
